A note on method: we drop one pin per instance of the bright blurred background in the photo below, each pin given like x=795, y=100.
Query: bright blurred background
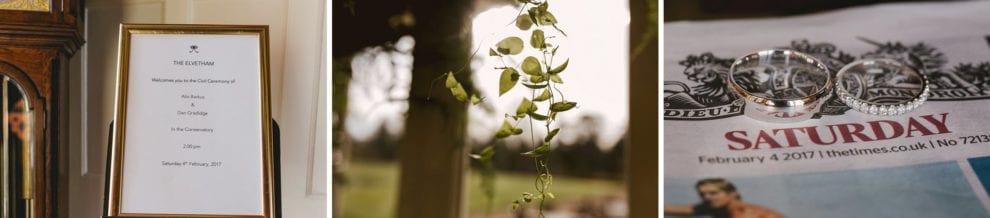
x=587, y=160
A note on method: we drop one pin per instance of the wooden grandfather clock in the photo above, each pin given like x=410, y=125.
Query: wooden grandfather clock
x=37, y=38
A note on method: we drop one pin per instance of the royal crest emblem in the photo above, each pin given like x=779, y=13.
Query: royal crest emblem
x=708, y=98
x=705, y=95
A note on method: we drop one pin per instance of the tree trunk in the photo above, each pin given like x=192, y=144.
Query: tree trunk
x=341, y=142
x=432, y=151
x=641, y=174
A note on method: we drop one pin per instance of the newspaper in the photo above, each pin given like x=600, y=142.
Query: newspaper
x=931, y=162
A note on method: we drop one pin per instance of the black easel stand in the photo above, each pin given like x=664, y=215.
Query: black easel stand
x=276, y=163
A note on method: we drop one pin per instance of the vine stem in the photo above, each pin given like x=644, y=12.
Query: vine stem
x=467, y=62
x=476, y=50
x=544, y=178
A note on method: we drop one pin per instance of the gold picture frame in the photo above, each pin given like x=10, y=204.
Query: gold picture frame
x=116, y=156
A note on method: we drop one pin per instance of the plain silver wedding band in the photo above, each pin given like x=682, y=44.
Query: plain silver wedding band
x=777, y=64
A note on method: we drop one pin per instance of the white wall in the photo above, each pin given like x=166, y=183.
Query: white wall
x=298, y=50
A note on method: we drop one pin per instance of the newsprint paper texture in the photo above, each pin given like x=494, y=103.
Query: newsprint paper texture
x=930, y=162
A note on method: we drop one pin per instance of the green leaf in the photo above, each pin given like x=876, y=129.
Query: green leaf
x=560, y=68
x=550, y=195
x=543, y=96
x=485, y=154
x=541, y=16
x=517, y=131
x=527, y=197
x=492, y=52
x=525, y=107
x=531, y=66
x=538, y=79
x=508, y=80
x=551, y=135
x=537, y=40
x=455, y=88
x=562, y=106
x=534, y=14
x=475, y=100
x=505, y=131
x=546, y=18
x=554, y=52
x=510, y=45
x=488, y=152
x=514, y=117
x=537, y=116
x=538, y=151
x=535, y=86
x=451, y=81
x=459, y=93
x=555, y=78
x=515, y=204
x=524, y=22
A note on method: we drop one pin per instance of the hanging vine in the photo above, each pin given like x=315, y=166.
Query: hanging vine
x=541, y=79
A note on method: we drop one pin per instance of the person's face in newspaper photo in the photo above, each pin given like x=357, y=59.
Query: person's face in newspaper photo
x=719, y=198
x=715, y=195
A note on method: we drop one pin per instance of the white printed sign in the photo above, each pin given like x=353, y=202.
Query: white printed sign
x=193, y=119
